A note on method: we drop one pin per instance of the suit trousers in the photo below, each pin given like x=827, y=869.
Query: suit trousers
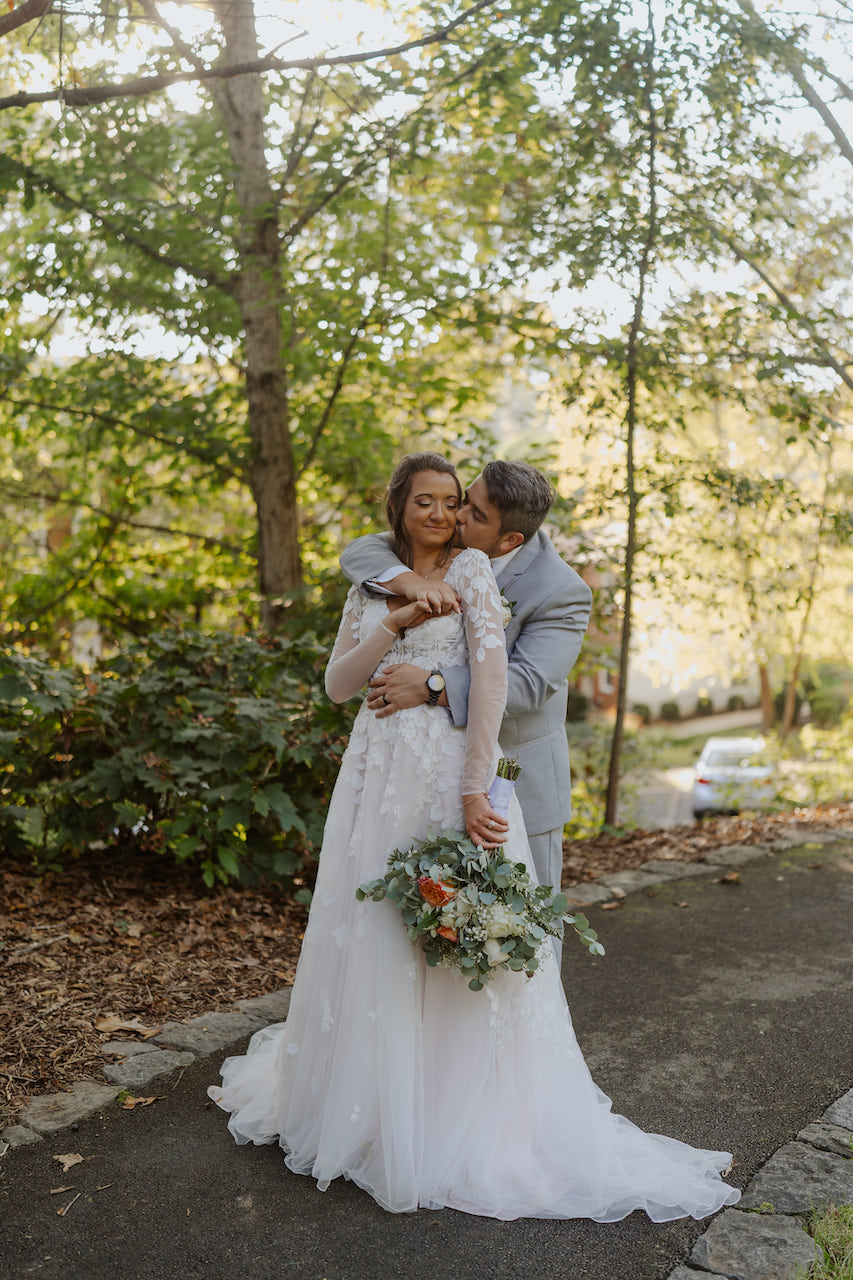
x=547, y=852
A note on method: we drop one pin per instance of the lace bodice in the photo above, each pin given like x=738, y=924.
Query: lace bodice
x=474, y=637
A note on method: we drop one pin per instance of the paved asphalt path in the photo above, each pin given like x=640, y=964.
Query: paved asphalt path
x=725, y=1022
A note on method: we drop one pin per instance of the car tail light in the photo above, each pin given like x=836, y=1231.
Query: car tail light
x=705, y=782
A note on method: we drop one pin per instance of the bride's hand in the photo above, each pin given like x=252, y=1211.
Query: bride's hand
x=408, y=615
x=439, y=597
x=485, y=827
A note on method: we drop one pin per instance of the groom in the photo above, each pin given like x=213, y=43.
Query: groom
x=501, y=514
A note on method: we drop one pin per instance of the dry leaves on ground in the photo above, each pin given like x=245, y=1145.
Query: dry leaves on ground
x=107, y=950
x=102, y=952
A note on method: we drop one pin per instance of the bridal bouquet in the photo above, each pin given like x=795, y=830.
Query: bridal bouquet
x=469, y=908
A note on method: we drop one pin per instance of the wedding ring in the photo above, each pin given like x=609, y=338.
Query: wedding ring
x=385, y=700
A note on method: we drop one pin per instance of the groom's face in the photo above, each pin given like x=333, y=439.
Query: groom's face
x=478, y=523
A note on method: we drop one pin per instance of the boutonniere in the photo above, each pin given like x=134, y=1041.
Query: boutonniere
x=508, y=610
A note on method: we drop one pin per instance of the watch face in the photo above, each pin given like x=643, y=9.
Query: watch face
x=435, y=682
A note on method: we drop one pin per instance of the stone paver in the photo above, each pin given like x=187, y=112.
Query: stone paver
x=144, y=1067
x=687, y=1273
x=127, y=1048
x=798, y=1178
x=754, y=1246
x=587, y=895
x=57, y=1110
x=662, y=868
x=18, y=1135
x=630, y=881
x=273, y=1007
x=738, y=855
x=209, y=1032
x=828, y=1137
x=841, y=1112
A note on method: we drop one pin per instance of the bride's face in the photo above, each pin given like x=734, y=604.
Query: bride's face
x=429, y=516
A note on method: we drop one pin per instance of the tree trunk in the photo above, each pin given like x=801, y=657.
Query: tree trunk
x=767, y=710
x=790, y=709
x=632, y=361
x=259, y=295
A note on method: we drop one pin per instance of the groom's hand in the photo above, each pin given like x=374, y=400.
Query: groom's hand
x=399, y=685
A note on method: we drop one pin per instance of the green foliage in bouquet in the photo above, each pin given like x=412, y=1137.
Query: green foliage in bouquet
x=470, y=909
x=218, y=750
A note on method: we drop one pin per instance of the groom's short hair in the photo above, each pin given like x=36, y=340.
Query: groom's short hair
x=521, y=494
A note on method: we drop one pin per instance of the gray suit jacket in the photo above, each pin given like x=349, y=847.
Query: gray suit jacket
x=551, y=605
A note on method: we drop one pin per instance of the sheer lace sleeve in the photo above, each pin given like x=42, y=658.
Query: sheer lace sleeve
x=354, y=659
x=481, y=610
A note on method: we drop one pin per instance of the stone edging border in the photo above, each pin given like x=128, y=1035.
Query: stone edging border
x=763, y=1239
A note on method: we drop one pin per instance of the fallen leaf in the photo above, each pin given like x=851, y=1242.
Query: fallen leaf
x=682, y=904
x=618, y=893
x=730, y=877
x=69, y=1161
x=610, y=906
x=111, y=1023
x=130, y=1103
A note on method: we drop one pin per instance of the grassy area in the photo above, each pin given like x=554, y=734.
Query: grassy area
x=833, y=1232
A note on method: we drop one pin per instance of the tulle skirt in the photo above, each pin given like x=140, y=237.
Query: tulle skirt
x=424, y=1093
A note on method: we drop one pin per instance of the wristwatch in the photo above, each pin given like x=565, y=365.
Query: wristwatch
x=435, y=683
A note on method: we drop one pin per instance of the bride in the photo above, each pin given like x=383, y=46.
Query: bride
x=396, y=1075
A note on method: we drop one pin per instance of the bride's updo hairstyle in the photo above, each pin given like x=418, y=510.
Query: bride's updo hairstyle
x=399, y=487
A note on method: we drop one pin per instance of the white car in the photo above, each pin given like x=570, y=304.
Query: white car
x=732, y=774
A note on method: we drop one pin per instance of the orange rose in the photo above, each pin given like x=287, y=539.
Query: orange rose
x=436, y=893
x=450, y=934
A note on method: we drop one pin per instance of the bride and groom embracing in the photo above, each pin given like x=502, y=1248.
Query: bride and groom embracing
x=387, y=1071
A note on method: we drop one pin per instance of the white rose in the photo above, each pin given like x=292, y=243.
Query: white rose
x=494, y=955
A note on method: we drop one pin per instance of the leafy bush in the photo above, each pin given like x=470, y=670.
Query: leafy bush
x=704, y=706
x=735, y=703
x=589, y=749
x=822, y=771
x=215, y=748
x=670, y=711
x=828, y=704
x=642, y=712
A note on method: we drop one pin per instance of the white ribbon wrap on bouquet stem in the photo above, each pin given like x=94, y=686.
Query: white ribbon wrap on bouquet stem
x=500, y=793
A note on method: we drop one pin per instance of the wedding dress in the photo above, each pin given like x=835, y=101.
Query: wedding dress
x=396, y=1075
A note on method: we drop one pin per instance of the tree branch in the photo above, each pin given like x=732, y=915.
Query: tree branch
x=119, y=230
x=91, y=95
x=111, y=421
x=24, y=13
x=792, y=61
x=788, y=303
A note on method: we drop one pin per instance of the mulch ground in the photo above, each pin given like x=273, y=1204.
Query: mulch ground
x=107, y=943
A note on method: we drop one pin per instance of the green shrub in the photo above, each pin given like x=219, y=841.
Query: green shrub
x=589, y=750
x=642, y=712
x=704, y=706
x=217, y=749
x=828, y=704
x=735, y=703
x=670, y=711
